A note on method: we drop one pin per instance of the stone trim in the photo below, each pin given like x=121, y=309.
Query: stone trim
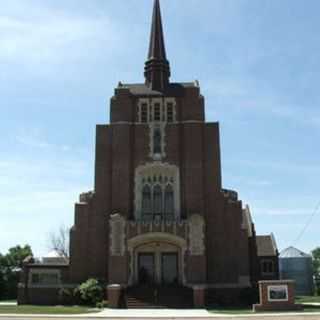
x=150, y=102
x=151, y=169
x=117, y=235
x=160, y=237
x=196, y=235
x=146, y=124
x=152, y=127
x=282, y=287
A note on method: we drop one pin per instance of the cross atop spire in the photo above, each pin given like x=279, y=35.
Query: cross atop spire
x=157, y=68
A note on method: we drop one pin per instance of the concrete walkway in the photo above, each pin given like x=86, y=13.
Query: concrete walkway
x=162, y=314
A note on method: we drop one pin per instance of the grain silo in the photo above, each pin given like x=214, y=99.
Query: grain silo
x=297, y=265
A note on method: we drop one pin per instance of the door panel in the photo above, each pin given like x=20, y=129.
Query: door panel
x=169, y=268
x=146, y=268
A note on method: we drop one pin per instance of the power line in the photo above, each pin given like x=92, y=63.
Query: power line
x=316, y=210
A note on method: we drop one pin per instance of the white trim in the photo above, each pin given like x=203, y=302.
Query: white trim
x=149, y=170
x=228, y=286
x=155, y=237
x=117, y=235
x=152, y=127
x=278, y=287
x=150, y=102
x=196, y=235
x=168, y=123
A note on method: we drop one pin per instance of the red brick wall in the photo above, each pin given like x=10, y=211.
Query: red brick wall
x=195, y=148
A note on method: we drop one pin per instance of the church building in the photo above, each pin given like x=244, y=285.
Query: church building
x=158, y=216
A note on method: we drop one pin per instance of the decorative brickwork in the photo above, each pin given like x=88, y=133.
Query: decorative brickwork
x=158, y=215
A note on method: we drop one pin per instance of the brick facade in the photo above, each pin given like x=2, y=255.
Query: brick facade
x=218, y=250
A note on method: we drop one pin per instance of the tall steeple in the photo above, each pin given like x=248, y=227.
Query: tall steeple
x=157, y=68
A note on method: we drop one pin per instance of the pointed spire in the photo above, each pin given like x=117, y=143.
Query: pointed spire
x=157, y=68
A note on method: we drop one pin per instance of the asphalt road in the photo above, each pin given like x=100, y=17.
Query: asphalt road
x=242, y=317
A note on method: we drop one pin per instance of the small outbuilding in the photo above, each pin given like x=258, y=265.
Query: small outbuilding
x=297, y=265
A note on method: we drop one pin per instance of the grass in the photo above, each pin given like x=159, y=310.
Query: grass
x=30, y=309
x=308, y=299
x=231, y=311
x=8, y=301
x=240, y=311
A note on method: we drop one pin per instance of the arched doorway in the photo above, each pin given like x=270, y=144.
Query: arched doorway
x=157, y=259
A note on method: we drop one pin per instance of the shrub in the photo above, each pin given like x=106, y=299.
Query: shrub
x=90, y=292
x=1, y=286
x=66, y=296
x=249, y=296
x=102, y=304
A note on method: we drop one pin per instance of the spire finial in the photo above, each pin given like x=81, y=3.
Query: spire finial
x=157, y=69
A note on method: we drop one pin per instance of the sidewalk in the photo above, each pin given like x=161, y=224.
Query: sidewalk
x=161, y=314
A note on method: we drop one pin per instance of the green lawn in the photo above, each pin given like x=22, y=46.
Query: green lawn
x=308, y=299
x=26, y=309
x=6, y=301
x=233, y=311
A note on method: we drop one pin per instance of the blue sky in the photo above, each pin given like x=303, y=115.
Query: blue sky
x=259, y=69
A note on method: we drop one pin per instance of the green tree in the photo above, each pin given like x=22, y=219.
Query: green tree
x=2, y=288
x=10, y=266
x=90, y=292
x=316, y=267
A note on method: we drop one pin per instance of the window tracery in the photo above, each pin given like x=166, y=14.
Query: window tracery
x=157, y=201
x=157, y=141
x=157, y=192
x=157, y=110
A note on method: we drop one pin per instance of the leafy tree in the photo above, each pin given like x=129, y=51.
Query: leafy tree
x=10, y=266
x=316, y=261
x=2, y=288
x=316, y=267
x=16, y=256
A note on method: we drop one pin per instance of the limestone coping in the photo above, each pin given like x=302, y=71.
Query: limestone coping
x=276, y=281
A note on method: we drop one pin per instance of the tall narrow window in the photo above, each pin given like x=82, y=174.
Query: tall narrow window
x=170, y=112
x=169, y=202
x=146, y=202
x=157, y=141
x=157, y=112
x=157, y=201
x=144, y=112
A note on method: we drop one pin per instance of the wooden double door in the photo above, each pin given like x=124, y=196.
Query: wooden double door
x=160, y=270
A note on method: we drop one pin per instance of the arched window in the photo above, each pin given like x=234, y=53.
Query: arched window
x=169, y=202
x=157, y=141
x=146, y=202
x=157, y=200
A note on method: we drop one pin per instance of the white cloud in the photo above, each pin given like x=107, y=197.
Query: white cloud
x=37, y=196
x=32, y=142
x=53, y=37
x=283, y=211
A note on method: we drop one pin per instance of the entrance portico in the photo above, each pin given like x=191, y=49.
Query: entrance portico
x=157, y=258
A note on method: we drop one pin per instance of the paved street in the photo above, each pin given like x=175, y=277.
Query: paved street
x=162, y=315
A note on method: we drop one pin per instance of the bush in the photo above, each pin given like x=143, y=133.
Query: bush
x=249, y=296
x=1, y=286
x=89, y=292
x=102, y=304
x=66, y=296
